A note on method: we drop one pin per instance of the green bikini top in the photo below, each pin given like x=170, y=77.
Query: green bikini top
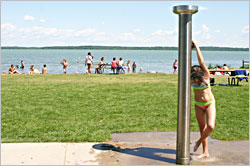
x=201, y=86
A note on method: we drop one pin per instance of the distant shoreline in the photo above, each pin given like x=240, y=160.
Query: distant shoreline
x=205, y=48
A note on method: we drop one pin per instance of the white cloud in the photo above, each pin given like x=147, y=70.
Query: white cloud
x=208, y=36
x=127, y=36
x=52, y=36
x=245, y=29
x=136, y=30
x=102, y=22
x=202, y=8
x=101, y=33
x=29, y=18
x=44, y=34
x=217, y=31
x=99, y=36
x=197, y=33
x=203, y=34
x=84, y=32
x=42, y=20
x=205, y=28
x=158, y=32
x=170, y=32
x=11, y=36
x=8, y=27
x=163, y=32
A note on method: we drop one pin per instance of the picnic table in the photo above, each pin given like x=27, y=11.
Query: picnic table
x=107, y=66
x=235, y=74
x=103, y=67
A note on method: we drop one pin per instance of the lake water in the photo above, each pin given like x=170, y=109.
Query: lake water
x=150, y=60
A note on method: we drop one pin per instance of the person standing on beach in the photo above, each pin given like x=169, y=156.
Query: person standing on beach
x=204, y=101
x=134, y=67
x=65, y=65
x=175, y=65
x=113, y=65
x=120, y=65
x=89, y=62
x=129, y=66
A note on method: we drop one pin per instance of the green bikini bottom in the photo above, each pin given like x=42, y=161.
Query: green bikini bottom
x=203, y=103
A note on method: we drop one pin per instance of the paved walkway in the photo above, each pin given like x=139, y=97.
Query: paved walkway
x=48, y=154
x=140, y=148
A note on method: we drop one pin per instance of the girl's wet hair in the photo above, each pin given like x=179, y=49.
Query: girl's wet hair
x=197, y=73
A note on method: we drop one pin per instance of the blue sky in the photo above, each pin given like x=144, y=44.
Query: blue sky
x=121, y=23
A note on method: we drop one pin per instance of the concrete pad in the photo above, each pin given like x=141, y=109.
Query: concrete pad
x=137, y=154
x=139, y=148
x=32, y=153
x=48, y=154
x=159, y=148
x=81, y=154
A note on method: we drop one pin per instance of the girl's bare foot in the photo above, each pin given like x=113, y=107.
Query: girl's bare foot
x=204, y=155
x=196, y=146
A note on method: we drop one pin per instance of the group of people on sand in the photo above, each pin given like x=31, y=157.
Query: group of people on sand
x=120, y=67
x=32, y=70
x=116, y=66
x=35, y=71
x=12, y=69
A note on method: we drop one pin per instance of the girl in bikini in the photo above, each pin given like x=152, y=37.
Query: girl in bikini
x=204, y=102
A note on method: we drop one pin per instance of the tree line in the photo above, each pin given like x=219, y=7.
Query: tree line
x=205, y=48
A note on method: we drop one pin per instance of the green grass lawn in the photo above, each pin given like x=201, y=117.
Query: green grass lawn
x=79, y=108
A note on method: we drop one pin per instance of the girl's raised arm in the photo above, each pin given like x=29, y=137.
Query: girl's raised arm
x=200, y=59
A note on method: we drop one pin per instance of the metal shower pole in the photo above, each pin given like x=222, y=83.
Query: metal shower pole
x=184, y=90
